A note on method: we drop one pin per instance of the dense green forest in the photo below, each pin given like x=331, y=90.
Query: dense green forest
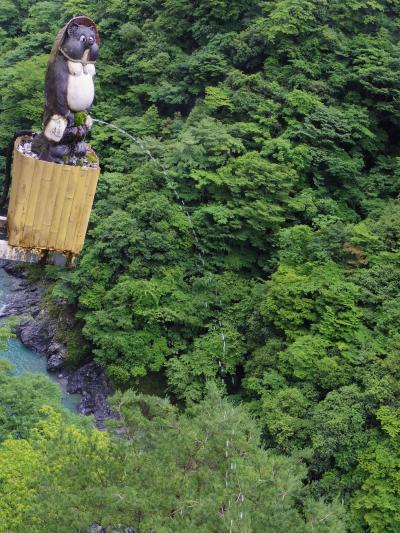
x=243, y=253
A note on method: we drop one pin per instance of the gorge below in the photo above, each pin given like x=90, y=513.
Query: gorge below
x=36, y=347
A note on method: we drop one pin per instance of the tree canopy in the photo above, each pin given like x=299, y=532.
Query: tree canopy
x=245, y=231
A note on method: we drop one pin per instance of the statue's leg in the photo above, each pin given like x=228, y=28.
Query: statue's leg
x=40, y=146
x=49, y=151
x=58, y=153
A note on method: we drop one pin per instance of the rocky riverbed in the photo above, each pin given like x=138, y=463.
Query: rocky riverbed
x=38, y=332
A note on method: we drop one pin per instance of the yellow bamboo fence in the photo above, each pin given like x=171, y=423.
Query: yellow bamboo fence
x=50, y=204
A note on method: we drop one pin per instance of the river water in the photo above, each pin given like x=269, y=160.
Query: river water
x=24, y=359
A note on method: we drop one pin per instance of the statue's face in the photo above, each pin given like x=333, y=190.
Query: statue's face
x=80, y=38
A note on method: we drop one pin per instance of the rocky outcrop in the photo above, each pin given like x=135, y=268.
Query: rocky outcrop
x=38, y=332
x=90, y=381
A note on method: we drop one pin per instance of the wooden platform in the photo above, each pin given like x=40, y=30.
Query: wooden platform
x=50, y=203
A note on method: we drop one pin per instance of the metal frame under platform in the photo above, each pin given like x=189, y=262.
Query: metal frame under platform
x=27, y=255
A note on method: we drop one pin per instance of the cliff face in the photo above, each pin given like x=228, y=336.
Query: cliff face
x=38, y=332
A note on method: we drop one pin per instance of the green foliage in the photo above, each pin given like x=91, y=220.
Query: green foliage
x=21, y=401
x=253, y=238
x=378, y=498
x=80, y=118
x=214, y=476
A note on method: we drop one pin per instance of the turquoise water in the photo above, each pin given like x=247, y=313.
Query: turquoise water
x=25, y=360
